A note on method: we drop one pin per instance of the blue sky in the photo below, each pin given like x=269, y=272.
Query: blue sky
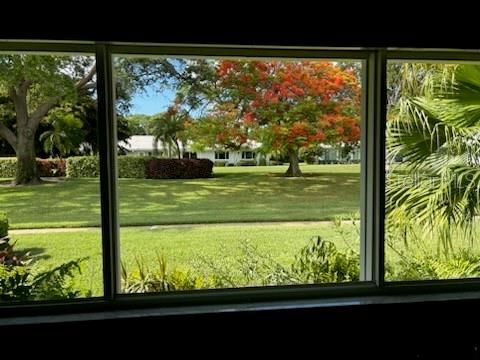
x=151, y=102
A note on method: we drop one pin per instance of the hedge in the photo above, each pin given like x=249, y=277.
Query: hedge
x=46, y=167
x=128, y=167
x=89, y=166
x=3, y=225
x=8, y=166
x=179, y=168
x=133, y=167
x=83, y=166
x=51, y=167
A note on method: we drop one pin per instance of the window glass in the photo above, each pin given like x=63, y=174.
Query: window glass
x=432, y=186
x=50, y=238
x=225, y=219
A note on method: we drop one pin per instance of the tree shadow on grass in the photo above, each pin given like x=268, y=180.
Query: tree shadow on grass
x=33, y=253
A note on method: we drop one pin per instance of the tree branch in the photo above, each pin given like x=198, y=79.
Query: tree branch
x=42, y=110
x=8, y=135
x=82, y=83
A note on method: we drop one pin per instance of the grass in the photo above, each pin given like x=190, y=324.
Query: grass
x=182, y=246
x=234, y=194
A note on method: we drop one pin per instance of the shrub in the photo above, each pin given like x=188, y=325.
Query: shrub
x=46, y=167
x=132, y=167
x=83, y=166
x=262, y=161
x=179, y=168
x=3, y=225
x=51, y=167
x=321, y=262
x=220, y=163
x=23, y=283
x=143, y=279
x=251, y=162
x=8, y=167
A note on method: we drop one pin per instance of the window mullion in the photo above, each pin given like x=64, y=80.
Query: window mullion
x=373, y=169
x=107, y=130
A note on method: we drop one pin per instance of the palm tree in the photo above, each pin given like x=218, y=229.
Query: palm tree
x=168, y=128
x=435, y=128
x=63, y=135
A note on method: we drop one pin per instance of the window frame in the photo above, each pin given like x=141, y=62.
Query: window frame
x=372, y=202
x=225, y=154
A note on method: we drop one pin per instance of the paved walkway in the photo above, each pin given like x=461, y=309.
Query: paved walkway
x=155, y=227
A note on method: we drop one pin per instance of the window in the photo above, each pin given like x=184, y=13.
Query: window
x=216, y=231
x=377, y=185
x=50, y=223
x=189, y=155
x=221, y=155
x=248, y=155
x=432, y=164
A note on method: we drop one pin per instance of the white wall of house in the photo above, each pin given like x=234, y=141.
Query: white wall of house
x=234, y=156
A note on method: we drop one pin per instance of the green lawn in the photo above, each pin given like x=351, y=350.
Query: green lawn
x=234, y=194
x=183, y=247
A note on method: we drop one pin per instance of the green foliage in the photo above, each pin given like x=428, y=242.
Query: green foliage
x=11, y=257
x=169, y=129
x=14, y=283
x=8, y=166
x=23, y=283
x=433, y=126
x=318, y=262
x=131, y=167
x=46, y=167
x=88, y=166
x=83, y=166
x=65, y=133
x=417, y=264
x=143, y=279
x=139, y=124
x=321, y=262
x=56, y=283
x=3, y=225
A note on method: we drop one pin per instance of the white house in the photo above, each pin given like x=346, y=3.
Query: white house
x=144, y=145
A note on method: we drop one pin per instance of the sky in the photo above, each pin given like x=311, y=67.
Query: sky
x=151, y=102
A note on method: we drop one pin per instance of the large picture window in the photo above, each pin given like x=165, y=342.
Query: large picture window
x=234, y=174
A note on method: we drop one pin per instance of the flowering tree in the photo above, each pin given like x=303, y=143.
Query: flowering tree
x=287, y=105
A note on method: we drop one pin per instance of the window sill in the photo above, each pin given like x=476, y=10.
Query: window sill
x=323, y=305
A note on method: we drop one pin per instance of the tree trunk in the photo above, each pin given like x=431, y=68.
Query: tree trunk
x=26, y=173
x=179, y=152
x=294, y=167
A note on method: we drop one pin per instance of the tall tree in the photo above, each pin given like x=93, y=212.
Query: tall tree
x=287, y=105
x=168, y=128
x=36, y=84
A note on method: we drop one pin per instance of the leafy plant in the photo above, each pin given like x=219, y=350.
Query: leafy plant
x=143, y=279
x=3, y=225
x=23, y=283
x=321, y=262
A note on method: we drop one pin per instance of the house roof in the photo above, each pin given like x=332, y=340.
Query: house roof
x=145, y=143
x=139, y=143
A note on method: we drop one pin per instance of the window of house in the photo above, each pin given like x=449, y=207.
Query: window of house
x=221, y=155
x=189, y=155
x=248, y=155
